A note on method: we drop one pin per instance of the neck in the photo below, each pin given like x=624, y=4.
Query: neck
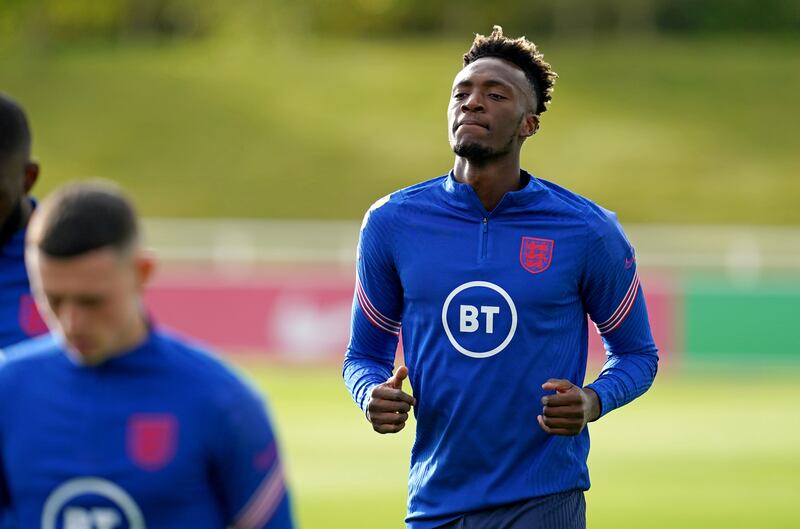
x=130, y=339
x=137, y=334
x=17, y=219
x=491, y=179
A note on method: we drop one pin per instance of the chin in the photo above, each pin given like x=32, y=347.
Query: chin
x=85, y=353
x=473, y=151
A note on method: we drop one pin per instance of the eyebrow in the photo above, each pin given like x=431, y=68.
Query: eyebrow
x=488, y=82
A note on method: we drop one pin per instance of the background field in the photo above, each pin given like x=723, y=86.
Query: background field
x=657, y=129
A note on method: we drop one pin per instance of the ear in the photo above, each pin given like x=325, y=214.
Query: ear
x=530, y=124
x=31, y=175
x=145, y=264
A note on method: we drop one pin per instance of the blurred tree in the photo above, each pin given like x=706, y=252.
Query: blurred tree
x=72, y=18
x=58, y=21
x=728, y=15
x=64, y=20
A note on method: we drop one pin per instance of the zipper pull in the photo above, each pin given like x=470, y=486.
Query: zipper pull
x=485, y=224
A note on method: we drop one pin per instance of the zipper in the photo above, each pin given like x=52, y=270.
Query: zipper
x=485, y=238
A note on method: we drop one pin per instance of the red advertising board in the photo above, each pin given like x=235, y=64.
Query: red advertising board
x=304, y=315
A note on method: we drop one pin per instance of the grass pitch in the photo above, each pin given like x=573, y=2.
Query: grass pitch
x=693, y=130
x=718, y=451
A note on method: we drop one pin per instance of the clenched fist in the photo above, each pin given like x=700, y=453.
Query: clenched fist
x=389, y=405
x=569, y=410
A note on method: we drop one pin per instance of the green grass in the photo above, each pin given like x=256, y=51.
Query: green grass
x=659, y=130
x=695, y=451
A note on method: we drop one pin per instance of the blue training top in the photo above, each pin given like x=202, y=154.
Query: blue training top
x=19, y=319
x=161, y=437
x=490, y=306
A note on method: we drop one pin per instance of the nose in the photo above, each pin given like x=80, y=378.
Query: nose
x=69, y=316
x=473, y=103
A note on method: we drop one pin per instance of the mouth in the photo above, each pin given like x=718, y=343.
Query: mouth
x=471, y=122
x=81, y=345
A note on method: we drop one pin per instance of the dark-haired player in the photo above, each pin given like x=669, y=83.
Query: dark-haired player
x=19, y=319
x=489, y=273
x=114, y=424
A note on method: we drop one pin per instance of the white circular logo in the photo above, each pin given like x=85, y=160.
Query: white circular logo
x=111, y=508
x=480, y=319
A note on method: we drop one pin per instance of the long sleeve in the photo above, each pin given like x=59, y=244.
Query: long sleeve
x=614, y=299
x=247, y=466
x=377, y=307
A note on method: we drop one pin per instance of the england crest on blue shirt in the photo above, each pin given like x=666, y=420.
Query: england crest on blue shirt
x=152, y=439
x=535, y=254
x=30, y=321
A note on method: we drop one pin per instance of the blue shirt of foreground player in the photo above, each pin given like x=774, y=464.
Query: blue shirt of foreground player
x=163, y=436
x=490, y=306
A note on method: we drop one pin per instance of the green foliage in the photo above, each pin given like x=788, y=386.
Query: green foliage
x=727, y=15
x=55, y=22
x=692, y=452
x=59, y=21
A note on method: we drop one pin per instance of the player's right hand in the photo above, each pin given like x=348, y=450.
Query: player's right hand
x=389, y=405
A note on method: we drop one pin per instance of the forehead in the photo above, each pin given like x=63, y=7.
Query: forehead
x=492, y=69
x=89, y=272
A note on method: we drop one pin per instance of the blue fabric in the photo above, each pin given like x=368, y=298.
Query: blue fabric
x=490, y=305
x=19, y=319
x=162, y=436
x=563, y=510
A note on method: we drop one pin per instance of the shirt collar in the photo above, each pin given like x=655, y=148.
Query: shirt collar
x=124, y=357
x=465, y=194
x=15, y=246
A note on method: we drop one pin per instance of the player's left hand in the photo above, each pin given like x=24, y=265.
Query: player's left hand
x=568, y=410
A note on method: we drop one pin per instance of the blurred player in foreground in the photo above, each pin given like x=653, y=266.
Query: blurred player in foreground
x=114, y=423
x=489, y=272
x=19, y=319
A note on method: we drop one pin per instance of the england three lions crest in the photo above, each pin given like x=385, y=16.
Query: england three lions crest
x=152, y=439
x=30, y=321
x=535, y=254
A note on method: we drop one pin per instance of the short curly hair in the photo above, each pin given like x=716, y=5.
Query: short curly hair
x=524, y=54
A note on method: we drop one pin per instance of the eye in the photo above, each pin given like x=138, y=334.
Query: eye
x=54, y=302
x=89, y=302
x=459, y=95
x=497, y=97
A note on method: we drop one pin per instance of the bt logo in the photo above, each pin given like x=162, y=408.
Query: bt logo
x=91, y=503
x=479, y=318
x=469, y=318
x=94, y=518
